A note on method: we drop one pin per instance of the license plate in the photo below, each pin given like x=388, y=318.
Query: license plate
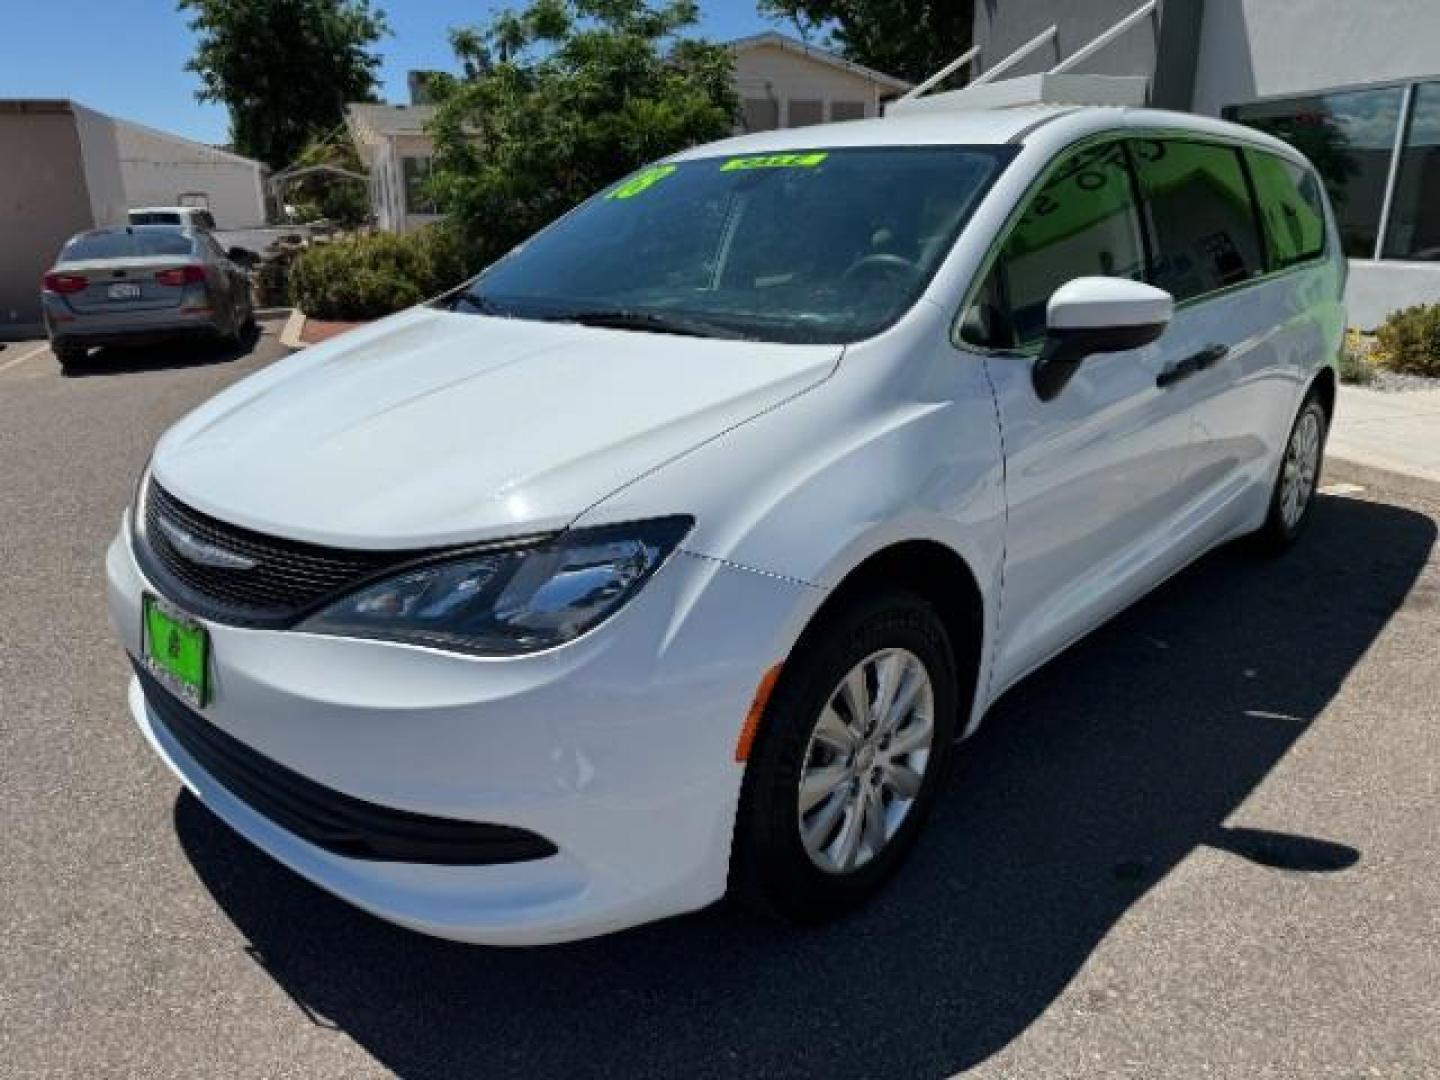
x=126, y=291
x=176, y=650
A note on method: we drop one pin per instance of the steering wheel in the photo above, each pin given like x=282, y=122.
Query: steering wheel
x=883, y=266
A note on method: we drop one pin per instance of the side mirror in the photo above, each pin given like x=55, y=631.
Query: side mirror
x=1096, y=315
x=240, y=257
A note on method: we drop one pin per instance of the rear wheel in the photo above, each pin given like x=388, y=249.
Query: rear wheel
x=69, y=356
x=230, y=339
x=851, y=750
x=1294, y=491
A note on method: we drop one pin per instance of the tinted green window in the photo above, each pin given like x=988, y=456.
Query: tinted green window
x=1201, y=216
x=1082, y=222
x=1291, y=206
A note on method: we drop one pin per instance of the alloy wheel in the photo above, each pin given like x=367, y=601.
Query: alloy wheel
x=1302, y=462
x=866, y=760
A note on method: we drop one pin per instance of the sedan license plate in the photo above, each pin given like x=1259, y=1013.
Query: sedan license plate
x=176, y=650
x=125, y=291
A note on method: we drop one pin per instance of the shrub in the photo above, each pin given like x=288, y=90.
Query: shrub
x=1409, y=340
x=365, y=277
x=1357, y=359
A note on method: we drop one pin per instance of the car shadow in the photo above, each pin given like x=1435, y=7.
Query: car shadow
x=162, y=356
x=1089, y=782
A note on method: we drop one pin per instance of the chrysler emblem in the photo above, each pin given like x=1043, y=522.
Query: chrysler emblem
x=199, y=551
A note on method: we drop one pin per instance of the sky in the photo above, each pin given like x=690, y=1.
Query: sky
x=128, y=58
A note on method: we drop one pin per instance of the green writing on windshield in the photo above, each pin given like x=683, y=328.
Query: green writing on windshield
x=644, y=180
x=775, y=161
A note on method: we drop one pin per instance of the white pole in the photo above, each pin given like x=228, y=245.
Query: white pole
x=1015, y=57
x=1081, y=55
x=943, y=74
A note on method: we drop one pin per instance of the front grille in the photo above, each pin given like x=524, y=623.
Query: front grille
x=288, y=579
x=330, y=819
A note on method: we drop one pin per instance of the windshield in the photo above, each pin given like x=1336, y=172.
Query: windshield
x=121, y=245
x=811, y=246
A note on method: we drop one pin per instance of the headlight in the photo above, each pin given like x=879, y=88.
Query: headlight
x=517, y=600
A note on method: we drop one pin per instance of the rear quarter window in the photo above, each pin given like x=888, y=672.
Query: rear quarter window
x=1292, y=206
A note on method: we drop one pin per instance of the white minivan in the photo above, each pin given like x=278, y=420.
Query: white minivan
x=671, y=556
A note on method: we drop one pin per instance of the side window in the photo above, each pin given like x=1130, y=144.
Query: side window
x=1082, y=222
x=1289, y=197
x=1201, y=216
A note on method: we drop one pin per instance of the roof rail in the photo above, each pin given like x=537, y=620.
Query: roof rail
x=1046, y=89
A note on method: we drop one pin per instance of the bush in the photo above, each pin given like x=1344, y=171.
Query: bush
x=1357, y=359
x=1409, y=340
x=365, y=277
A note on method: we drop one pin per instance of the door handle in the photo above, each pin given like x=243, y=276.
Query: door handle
x=1195, y=362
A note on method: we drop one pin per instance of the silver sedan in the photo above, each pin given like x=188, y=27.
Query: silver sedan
x=142, y=283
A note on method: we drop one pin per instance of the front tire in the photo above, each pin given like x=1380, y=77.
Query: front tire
x=1294, y=492
x=851, y=751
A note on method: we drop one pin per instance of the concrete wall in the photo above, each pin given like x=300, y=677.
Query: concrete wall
x=44, y=200
x=158, y=168
x=1002, y=26
x=100, y=157
x=1262, y=48
x=1377, y=288
x=782, y=75
x=1162, y=47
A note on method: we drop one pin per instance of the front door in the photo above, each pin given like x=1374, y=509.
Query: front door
x=1093, y=477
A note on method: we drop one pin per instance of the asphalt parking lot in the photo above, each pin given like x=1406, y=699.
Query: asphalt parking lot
x=1205, y=842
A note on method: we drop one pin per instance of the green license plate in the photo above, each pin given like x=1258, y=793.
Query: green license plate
x=176, y=650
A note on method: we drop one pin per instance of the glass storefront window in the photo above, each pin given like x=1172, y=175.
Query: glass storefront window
x=1414, y=231
x=1350, y=137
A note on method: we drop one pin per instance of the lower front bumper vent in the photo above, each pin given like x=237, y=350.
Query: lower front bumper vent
x=329, y=819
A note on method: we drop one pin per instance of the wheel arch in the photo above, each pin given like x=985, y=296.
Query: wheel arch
x=940, y=576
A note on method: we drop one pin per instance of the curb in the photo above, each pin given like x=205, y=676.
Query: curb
x=1380, y=479
x=293, y=328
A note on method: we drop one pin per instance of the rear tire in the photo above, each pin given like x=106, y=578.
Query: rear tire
x=834, y=799
x=1293, y=495
x=70, y=356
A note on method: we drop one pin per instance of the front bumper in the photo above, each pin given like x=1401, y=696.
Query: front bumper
x=618, y=749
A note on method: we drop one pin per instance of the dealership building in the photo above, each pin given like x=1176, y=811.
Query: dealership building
x=1355, y=85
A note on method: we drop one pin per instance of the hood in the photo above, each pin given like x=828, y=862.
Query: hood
x=434, y=428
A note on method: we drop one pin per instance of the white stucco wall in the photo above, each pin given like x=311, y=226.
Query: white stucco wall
x=768, y=71
x=1261, y=48
x=100, y=163
x=158, y=168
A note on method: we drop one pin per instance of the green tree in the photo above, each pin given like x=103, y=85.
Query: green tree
x=909, y=39
x=285, y=69
x=563, y=98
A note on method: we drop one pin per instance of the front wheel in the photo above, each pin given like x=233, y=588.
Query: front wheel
x=1294, y=490
x=851, y=750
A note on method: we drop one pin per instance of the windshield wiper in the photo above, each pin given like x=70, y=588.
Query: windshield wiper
x=476, y=303
x=652, y=322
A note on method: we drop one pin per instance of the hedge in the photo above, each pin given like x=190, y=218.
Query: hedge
x=368, y=276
